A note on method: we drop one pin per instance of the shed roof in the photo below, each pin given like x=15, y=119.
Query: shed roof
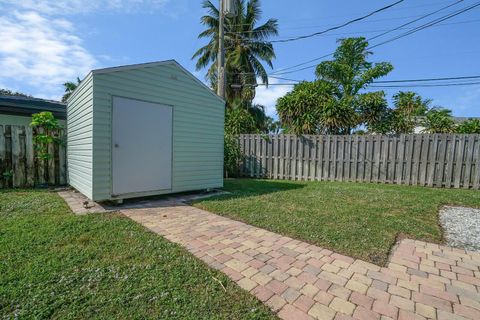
x=18, y=105
x=153, y=64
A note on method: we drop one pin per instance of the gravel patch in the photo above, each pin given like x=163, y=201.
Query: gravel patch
x=462, y=227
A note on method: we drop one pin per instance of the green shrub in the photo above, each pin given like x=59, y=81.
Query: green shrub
x=232, y=155
x=470, y=126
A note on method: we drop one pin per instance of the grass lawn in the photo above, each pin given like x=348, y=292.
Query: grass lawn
x=57, y=265
x=359, y=220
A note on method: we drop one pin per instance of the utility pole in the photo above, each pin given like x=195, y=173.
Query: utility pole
x=221, y=53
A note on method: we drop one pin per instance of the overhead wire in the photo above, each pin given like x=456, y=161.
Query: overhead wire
x=339, y=26
x=291, y=69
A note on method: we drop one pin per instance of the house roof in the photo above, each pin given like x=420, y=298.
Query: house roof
x=463, y=119
x=27, y=106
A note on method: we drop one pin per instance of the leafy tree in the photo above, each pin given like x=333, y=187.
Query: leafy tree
x=262, y=121
x=238, y=120
x=247, y=48
x=339, y=117
x=439, y=120
x=375, y=113
x=69, y=88
x=301, y=110
x=408, y=107
x=411, y=103
x=334, y=103
x=470, y=126
x=350, y=72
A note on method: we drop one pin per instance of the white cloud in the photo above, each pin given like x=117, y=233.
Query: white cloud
x=40, y=48
x=268, y=96
x=40, y=52
x=53, y=7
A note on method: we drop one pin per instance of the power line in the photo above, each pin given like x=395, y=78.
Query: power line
x=375, y=31
x=395, y=81
x=430, y=85
x=415, y=20
x=395, y=86
x=316, y=26
x=285, y=70
x=276, y=84
x=293, y=21
x=339, y=26
x=401, y=27
x=427, y=25
x=431, y=79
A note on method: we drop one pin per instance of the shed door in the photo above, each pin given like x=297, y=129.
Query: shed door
x=142, y=146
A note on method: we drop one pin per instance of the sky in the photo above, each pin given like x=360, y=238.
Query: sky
x=44, y=43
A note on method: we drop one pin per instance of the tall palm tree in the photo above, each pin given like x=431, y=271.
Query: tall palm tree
x=247, y=48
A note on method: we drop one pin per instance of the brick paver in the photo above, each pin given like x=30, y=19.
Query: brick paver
x=302, y=281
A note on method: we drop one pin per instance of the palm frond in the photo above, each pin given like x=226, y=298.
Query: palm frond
x=269, y=29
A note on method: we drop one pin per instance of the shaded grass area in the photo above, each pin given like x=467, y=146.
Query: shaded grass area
x=57, y=265
x=359, y=220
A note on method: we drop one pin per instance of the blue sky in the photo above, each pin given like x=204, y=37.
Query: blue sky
x=45, y=43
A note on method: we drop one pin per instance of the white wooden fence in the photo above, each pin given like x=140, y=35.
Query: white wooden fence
x=20, y=168
x=435, y=160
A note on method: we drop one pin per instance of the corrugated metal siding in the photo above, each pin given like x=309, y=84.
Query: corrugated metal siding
x=198, y=125
x=80, y=137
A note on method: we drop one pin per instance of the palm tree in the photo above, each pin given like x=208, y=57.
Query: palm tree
x=247, y=48
x=69, y=88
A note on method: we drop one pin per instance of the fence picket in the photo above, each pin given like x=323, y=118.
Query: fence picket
x=423, y=154
x=347, y=158
x=468, y=162
x=18, y=163
x=320, y=144
x=459, y=160
x=476, y=181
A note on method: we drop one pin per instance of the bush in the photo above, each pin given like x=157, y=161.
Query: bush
x=301, y=110
x=232, y=155
x=470, y=126
x=239, y=121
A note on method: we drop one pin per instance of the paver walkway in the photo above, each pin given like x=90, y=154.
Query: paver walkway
x=303, y=281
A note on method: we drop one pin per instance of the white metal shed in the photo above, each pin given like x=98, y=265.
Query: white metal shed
x=144, y=129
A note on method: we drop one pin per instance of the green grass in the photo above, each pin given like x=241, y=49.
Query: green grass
x=359, y=220
x=57, y=265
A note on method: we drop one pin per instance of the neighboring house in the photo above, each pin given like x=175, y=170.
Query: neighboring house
x=458, y=120
x=15, y=110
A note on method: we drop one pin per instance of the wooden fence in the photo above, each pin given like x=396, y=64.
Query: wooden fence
x=20, y=168
x=435, y=160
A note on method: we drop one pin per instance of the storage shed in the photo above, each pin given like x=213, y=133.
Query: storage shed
x=144, y=129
